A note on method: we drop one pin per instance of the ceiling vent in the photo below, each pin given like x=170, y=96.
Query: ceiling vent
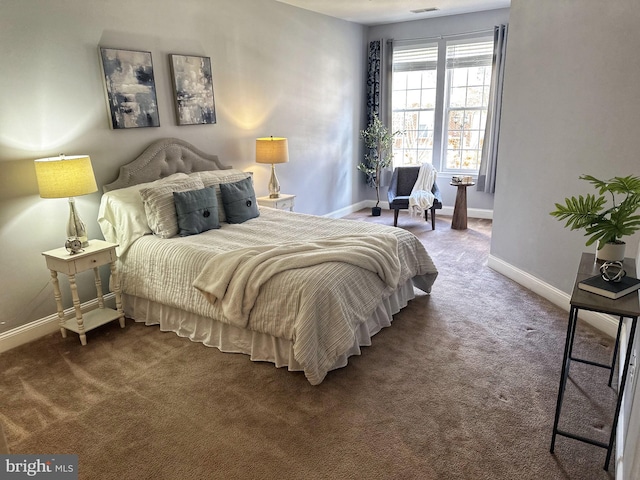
x=425, y=10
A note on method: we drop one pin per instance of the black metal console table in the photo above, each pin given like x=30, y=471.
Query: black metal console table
x=624, y=307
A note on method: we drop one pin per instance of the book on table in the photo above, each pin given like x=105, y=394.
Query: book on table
x=614, y=290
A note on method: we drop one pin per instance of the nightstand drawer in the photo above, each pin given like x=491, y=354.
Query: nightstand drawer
x=93, y=261
x=283, y=202
x=80, y=263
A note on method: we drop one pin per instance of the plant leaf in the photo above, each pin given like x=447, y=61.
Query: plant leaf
x=580, y=211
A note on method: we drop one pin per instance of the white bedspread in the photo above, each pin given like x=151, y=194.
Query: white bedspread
x=234, y=279
x=317, y=308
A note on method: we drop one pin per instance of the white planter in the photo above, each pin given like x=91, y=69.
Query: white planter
x=611, y=252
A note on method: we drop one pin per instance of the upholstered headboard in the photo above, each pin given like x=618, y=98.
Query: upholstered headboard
x=163, y=158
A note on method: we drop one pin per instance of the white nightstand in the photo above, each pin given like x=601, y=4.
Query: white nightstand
x=98, y=253
x=283, y=202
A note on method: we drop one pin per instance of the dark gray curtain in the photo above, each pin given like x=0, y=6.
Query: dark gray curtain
x=489, y=162
x=374, y=82
x=378, y=86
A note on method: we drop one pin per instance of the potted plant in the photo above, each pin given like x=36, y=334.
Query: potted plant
x=377, y=142
x=603, y=222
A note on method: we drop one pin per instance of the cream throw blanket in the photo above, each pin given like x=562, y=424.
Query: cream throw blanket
x=421, y=198
x=234, y=278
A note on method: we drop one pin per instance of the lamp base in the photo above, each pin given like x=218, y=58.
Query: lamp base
x=75, y=226
x=274, y=185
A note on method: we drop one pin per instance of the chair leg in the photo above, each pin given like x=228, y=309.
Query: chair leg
x=433, y=218
x=395, y=217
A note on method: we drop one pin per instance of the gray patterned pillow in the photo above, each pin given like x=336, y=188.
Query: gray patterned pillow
x=217, y=178
x=239, y=201
x=160, y=208
x=197, y=211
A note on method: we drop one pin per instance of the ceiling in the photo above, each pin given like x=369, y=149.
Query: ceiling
x=374, y=12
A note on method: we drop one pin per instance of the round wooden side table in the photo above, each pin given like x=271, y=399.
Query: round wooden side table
x=459, y=220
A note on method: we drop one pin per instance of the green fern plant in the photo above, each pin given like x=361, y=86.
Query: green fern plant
x=601, y=221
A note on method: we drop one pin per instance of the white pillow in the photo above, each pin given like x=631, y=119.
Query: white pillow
x=121, y=216
x=216, y=177
x=160, y=207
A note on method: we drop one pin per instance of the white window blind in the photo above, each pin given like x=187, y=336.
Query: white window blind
x=439, y=101
x=415, y=58
x=469, y=55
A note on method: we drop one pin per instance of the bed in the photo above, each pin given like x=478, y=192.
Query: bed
x=297, y=290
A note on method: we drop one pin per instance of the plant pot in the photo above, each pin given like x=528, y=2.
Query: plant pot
x=611, y=252
x=376, y=211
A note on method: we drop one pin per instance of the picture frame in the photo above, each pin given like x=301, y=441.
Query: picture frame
x=130, y=88
x=193, y=89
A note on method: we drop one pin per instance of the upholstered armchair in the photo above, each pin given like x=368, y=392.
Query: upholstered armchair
x=402, y=182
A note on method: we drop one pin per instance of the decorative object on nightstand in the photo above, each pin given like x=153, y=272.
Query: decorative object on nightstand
x=272, y=150
x=60, y=177
x=612, y=282
x=73, y=245
x=283, y=202
x=96, y=254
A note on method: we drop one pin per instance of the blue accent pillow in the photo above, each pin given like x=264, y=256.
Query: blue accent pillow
x=239, y=201
x=197, y=211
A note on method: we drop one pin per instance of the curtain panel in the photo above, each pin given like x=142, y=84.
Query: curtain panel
x=489, y=162
x=378, y=91
x=374, y=79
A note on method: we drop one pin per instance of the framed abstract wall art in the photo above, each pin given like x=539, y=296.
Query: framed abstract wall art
x=193, y=89
x=130, y=88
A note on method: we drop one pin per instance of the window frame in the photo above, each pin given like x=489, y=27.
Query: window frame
x=442, y=103
x=432, y=49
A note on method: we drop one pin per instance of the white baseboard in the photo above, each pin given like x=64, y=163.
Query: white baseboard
x=44, y=326
x=478, y=213
x=471, y=212
x=354, y=208
x=604, y=323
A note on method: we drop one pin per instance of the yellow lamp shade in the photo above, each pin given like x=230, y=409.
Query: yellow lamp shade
x=63, y=176
x=272, y=150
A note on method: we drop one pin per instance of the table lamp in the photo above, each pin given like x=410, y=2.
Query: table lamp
x=62, y=176
x=272, y=150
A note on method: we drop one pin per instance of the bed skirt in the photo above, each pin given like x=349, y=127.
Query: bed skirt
x=260, y=347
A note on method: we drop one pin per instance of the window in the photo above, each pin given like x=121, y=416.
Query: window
x=468, y=81
x=440, y=93
x=413, y=102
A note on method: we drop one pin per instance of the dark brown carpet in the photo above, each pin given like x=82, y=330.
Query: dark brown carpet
x=463, y=385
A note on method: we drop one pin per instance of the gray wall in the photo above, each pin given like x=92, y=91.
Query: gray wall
x=570, y=107
x=443, y=26
x=277, y=70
